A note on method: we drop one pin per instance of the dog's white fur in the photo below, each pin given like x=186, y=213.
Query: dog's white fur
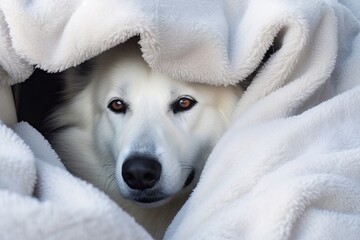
x=93, y=141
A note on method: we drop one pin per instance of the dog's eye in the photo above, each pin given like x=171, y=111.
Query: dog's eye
x=117, y=106
x=183, y=104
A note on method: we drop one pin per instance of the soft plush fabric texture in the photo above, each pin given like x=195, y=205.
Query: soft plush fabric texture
x=61, y=206
x=287, y=168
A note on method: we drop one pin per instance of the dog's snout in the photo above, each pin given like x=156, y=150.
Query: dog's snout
x=141, y=172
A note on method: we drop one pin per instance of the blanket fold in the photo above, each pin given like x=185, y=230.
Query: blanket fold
x=287, y=168
x=307, y=189
x=64, y=207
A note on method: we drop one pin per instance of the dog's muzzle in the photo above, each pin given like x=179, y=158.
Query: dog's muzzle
x=141, y=173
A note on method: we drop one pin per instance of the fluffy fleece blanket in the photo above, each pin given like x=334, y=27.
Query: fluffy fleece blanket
x=287, y=168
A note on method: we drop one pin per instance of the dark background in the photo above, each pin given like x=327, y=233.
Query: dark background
x=36, y=97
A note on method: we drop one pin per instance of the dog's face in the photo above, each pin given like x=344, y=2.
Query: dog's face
x=157, y=131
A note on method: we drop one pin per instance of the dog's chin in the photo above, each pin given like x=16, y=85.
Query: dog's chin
x=148, y=199
x=151, y=202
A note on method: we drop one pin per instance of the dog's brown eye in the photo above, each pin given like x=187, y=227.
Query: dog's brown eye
x=117, y=106
x=183, y=104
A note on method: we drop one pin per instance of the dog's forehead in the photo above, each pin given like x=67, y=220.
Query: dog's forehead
x=134, y=79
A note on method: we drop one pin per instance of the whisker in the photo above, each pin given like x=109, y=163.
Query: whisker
x=112, y=180
x=109, y=164
x=184, y=164
x=111, y=176
x=187, y=167
x=106, y=166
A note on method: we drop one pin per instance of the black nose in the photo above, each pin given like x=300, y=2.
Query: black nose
x=141, y=172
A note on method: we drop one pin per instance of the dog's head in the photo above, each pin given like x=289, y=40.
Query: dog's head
x=157, y=131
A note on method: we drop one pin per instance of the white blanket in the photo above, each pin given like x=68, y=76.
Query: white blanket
x=287, y=168
x=62, y=207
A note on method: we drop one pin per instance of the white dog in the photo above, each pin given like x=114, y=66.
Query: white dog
x=138, y=135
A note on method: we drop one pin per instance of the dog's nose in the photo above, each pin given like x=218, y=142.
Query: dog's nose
x=141, y=172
